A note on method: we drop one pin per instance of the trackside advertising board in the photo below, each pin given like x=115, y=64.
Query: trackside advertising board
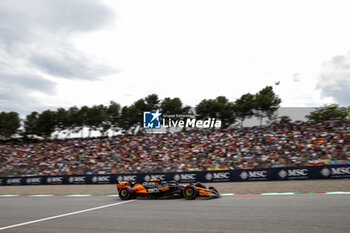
x=267, y=174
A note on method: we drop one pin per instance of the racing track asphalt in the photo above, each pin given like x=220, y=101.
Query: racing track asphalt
x=243, y=214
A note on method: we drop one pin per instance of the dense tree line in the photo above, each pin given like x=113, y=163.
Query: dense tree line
x=329, y=112
x=127, y=119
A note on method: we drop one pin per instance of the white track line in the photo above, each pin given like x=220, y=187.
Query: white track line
x=338, y=193
x=273, y=194
x=62, y=215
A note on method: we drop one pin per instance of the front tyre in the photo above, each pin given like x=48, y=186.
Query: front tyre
x=190, y=192
x=126, y=193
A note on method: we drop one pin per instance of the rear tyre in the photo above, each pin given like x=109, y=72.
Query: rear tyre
x=190, y=192
x=126, y=193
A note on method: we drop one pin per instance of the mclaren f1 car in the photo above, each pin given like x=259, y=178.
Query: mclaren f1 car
x=158, y=189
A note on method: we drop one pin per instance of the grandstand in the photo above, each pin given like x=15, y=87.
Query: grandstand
x=294, y=144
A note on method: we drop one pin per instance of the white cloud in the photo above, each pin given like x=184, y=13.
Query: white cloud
x=334, y=80
x=36, y=47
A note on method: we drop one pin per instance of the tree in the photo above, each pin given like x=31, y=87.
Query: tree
x=226, y=111
x=113, y=113
x=62, y=119
x=174, y=106
x=100, y=116
x=152, y=102
x=285, y=120
x=329, y=112
x=75, y=119
x=244, y=107
x=219, y=108
x=149, y=103
x=46, y=123
x=97, y=119
x=171, y=106
x=9, y=124
x=266, y=103
x=129, y=118
x=31, y=124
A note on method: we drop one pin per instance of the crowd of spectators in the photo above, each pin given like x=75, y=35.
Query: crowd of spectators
x=294, y=144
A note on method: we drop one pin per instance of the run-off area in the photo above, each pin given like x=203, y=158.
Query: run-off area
x=295, y=213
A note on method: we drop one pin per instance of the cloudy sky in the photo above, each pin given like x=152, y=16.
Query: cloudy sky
x=60, y=53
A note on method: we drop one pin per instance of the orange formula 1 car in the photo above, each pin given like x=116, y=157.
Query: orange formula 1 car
x=158, y=189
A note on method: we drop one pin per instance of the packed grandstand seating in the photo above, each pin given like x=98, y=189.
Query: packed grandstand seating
x=294, y=144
